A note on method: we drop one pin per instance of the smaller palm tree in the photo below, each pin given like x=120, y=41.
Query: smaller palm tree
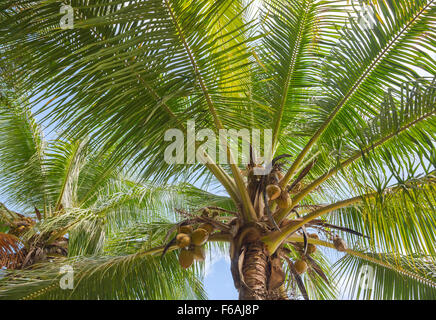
x=78, y=210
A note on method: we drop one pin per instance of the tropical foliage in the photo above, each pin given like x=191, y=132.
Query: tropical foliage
x=78, y=212
x=350, y=97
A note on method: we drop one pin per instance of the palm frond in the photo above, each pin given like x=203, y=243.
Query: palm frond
x=368, y=61
x=168, y=93
x=401, y=222
x=364, y=279
x=365, y=63
x=404, y=130
x=294, y=42
x=21, y=154
x=10, y=250
x=106, y=277
x=64, y=163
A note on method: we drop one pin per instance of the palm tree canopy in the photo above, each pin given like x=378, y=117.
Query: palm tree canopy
x=63, y=189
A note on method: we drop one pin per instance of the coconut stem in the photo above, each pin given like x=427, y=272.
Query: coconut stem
x=275, y=239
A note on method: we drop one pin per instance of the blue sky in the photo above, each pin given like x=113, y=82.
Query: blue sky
x=219, y=282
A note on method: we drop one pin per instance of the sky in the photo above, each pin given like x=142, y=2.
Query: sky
x=218, y=280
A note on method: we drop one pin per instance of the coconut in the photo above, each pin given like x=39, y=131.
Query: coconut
x=185, y=229
x=207, y=226
x=311, y=248
x=199, y=253
x=339, y=244
x=199, y=237
x=284, y=201
x=205, y=212
x=297, y=188
x=273, y=191
x=183, y=240
x=186, y=258
x=300, y=266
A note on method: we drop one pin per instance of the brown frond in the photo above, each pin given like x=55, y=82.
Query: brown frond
x=11, y=253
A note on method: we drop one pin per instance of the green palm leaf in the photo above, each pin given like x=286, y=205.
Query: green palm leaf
x=404, y=281
x=106, y=277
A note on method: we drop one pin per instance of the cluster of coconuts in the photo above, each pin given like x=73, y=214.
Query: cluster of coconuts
x=301, y=265
x=191, y=243
x=275, y=193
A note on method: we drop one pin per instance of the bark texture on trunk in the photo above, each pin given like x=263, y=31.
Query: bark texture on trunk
x=255, y=273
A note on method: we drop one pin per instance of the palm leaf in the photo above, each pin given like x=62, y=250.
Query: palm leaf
x=105, y=277
x=21, y=154
x=399, y=281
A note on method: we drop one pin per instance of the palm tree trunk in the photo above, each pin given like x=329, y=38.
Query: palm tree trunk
x=254, y=275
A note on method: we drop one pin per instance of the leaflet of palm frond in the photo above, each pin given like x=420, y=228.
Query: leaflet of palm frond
x=252, y=157
x=38, y=214
x=303, y=229
x=317, y=268
x=388, y=277
x=131, y=276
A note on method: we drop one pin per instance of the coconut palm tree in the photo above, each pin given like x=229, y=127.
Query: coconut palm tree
x=347, y=94
x=79, y=212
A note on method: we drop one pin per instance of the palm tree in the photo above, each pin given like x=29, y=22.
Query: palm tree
x=80, y=212
x=344, y=93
